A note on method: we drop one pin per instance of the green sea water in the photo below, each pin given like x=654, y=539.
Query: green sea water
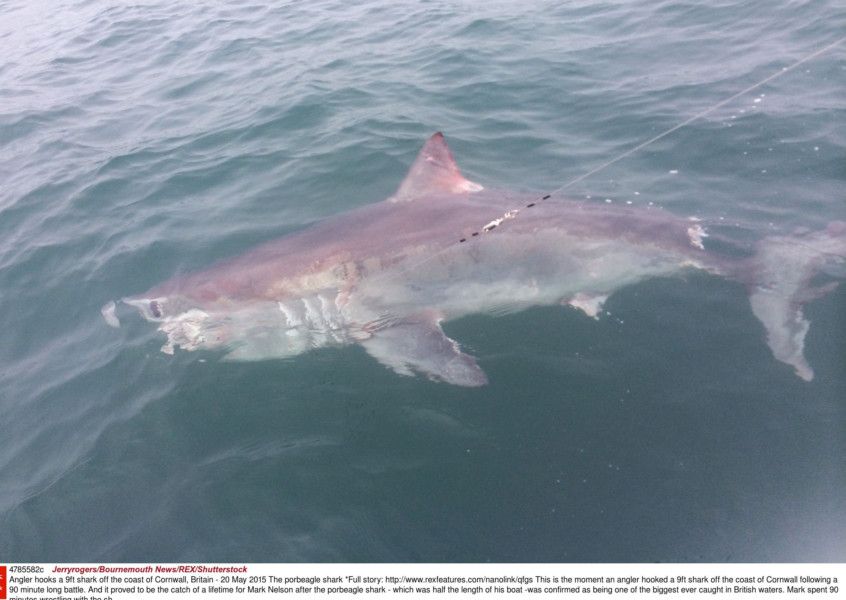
x=139, y=141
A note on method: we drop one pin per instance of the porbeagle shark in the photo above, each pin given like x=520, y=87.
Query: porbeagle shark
x=386, y=275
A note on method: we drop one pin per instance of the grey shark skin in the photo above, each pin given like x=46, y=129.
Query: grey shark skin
x=384, y=276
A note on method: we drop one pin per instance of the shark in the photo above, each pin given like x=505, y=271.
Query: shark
x=386, y=275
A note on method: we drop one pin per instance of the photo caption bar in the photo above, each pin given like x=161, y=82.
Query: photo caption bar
x=456, y=581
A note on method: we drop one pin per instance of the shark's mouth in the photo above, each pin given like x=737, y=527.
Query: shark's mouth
x=252, y=331
x=190, y=330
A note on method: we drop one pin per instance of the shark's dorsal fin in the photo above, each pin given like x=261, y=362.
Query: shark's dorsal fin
x=434, y=171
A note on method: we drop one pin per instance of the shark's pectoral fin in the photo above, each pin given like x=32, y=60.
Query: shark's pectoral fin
x=421, y=345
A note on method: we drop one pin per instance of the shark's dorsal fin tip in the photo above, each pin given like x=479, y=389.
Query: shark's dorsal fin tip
x=434, y=170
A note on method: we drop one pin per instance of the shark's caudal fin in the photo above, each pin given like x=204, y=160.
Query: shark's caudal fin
x=434, y=170
x=419, y=344
x=784, y=268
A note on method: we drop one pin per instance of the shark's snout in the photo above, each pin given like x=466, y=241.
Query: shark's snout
x=108, y=312
x=386, y=277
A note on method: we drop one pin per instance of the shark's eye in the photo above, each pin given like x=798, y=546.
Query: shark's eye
x=155, y=309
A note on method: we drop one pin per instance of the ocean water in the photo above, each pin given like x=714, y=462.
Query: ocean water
x=145, y=139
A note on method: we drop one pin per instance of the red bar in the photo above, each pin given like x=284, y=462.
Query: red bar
x=2, y=583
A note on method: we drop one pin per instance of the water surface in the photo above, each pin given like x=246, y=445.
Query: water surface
x=140, y=141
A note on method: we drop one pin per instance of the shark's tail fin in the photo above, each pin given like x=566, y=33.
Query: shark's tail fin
x=787, y=272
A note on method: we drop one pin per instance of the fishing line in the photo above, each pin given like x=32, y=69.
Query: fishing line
x=697, y=116
x=510, y=214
